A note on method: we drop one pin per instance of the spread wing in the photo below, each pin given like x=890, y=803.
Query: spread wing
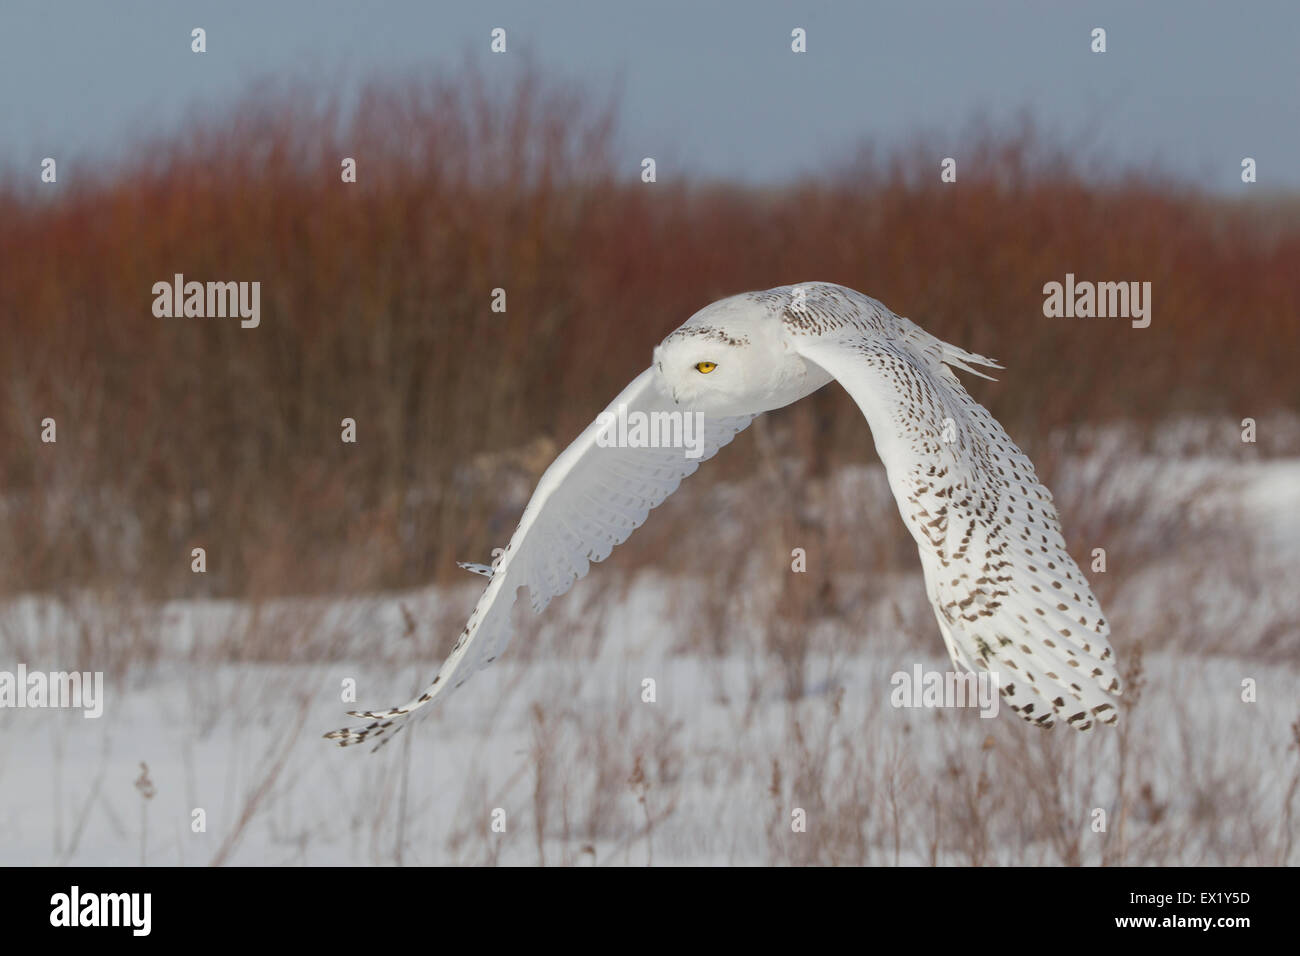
x=1008, y=596
x=587, y=502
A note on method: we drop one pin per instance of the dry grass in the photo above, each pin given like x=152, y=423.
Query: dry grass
x=557, y=736
x=186, y=432
x=176, y=433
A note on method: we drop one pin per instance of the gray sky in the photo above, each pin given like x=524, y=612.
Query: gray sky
x=709, y=85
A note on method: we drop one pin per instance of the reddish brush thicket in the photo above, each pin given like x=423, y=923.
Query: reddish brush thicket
x=375, y=299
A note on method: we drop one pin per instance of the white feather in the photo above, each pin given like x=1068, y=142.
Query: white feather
x=586, y=503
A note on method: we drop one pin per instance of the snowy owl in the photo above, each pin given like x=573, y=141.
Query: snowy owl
x=1007, y=595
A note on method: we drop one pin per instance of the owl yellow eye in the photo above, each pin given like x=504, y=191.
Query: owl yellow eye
x=704, y=368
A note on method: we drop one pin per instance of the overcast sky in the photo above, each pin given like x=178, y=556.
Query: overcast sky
x=710, y=84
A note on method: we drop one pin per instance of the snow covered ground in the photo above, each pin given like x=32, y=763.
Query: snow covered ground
x=225, y=703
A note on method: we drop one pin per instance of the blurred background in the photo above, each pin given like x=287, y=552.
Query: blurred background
x=522, y=171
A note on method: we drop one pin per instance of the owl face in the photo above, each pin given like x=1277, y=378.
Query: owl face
x=705, y=373
x=731, y=358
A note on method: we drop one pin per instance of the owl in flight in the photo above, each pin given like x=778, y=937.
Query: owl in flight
x=1007, y=595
